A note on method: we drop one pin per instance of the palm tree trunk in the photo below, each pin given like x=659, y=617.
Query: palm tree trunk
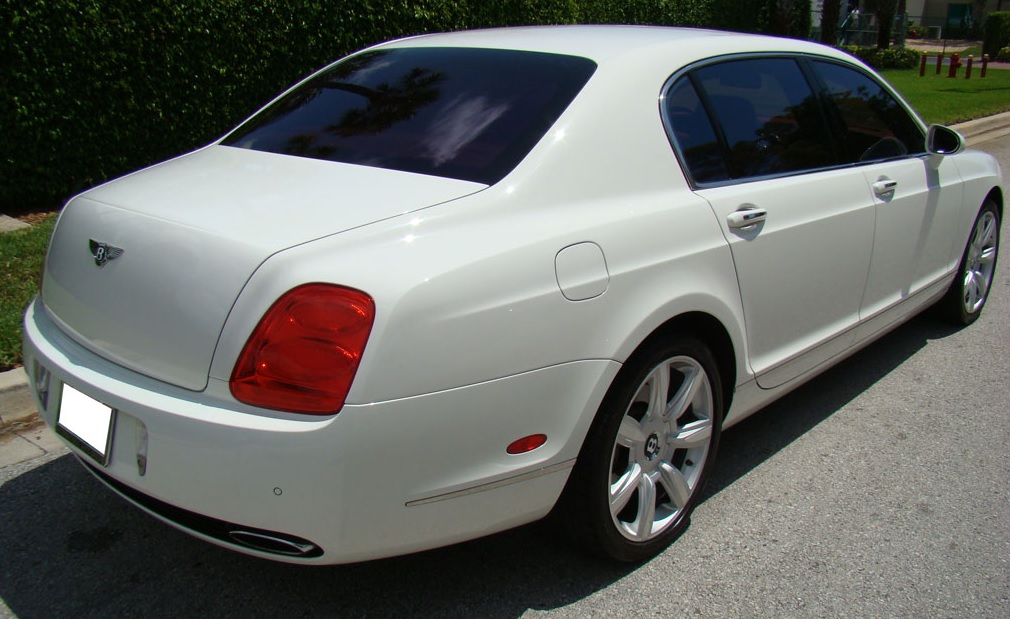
x=885, y=21
x=830, y=13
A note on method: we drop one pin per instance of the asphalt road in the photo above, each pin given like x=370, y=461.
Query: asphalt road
x=878, y=490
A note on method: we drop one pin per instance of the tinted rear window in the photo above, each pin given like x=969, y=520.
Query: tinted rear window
x=470, y=114
x=769, y=116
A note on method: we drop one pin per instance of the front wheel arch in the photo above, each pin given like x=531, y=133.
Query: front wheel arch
x=968, y=293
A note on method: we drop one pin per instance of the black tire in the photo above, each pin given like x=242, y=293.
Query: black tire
x=639, y=462
x=969, y=291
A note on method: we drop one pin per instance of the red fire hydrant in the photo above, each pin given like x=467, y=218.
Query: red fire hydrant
x=955, y=64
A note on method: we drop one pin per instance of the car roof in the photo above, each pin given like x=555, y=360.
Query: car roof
x=602, y=43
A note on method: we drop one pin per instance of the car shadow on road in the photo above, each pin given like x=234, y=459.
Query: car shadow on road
x=71, y=548
x=757, y=438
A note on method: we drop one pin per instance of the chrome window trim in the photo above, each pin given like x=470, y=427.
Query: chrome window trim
x=809, y=73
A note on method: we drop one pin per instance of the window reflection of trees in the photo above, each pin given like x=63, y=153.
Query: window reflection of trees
x=863, y=117
x=462, y=113
x=383, y=105
x=791, y=141
x=873, y=123
x=387, y=104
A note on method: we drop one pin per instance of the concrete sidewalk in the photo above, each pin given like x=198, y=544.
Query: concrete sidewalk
x=24, y=436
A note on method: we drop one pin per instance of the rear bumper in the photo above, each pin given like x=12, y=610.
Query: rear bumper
x=375, y=480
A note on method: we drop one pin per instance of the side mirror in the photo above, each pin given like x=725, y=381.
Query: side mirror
x=942, y=140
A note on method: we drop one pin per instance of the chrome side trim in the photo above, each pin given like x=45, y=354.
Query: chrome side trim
x=868, y=328
x=554, y=468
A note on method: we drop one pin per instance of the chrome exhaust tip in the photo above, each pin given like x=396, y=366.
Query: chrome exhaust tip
x=274, y=543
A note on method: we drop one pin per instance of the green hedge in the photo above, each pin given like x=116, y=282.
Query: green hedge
x=92, y=89
x=656, y=12
x=997, y=33
x=891, y=58
x=790, y=18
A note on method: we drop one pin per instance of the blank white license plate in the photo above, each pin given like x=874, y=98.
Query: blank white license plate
x=87, y=423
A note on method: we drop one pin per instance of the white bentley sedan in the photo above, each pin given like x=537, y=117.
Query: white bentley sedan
x=454, y=283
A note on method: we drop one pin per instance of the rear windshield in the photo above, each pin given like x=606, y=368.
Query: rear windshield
x=469, y=114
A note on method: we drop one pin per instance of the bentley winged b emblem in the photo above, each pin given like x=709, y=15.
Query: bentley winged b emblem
x=103, y=252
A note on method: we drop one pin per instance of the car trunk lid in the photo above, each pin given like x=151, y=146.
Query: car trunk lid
x=144, y=270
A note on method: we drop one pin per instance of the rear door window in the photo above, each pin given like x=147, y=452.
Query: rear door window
x=764, y=115
x=469, y=114
x=693, y=133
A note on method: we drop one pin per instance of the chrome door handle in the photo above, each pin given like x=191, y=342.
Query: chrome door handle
x=884, y=187
x=746, y=217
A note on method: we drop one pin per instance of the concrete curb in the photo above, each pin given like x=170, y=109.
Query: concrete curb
x=16, y=403
x=13, y=379
x=9, y=223
x=23, y=435
x=984, y=129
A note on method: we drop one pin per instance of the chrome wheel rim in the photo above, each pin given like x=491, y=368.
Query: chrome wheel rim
x=980, y=262
x=661, y=448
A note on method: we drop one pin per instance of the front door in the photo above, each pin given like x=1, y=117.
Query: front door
x=916, y=197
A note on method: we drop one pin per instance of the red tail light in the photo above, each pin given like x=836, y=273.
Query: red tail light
x=304, y=352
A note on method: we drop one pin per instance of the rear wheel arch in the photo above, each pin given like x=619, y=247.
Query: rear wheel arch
x=654, y=437
x=713, y=334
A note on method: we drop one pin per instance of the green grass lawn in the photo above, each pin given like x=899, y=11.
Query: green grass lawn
x=21, y=255
x=938, y=99
x=943, y=100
